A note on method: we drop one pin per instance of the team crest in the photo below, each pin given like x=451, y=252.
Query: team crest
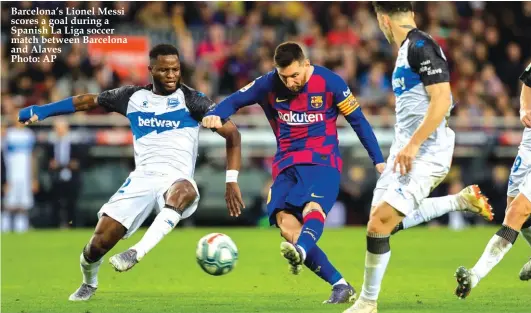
x=173, y=102
x=145, y=104
x=316, y=102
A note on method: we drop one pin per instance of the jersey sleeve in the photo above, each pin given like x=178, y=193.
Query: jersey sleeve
x=197, y=102
x=427, y=60
x=253, y=93
x=343, y=97
x=117, y=100
x=526, y=76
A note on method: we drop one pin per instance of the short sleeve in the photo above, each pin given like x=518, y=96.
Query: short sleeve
x=197, y=102
x=117, y=100
x=526, y=76
x=427, y=60
x=343, y=97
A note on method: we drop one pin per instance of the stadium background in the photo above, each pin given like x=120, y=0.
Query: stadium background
x=224, y=45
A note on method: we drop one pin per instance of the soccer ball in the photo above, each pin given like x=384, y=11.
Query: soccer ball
x=216, y=254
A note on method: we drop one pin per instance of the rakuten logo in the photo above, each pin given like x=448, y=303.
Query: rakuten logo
x=293, y=118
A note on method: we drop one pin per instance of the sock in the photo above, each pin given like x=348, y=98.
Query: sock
x=376, y=260
x=163, y=224
x=497, y=247
x=431, y=208
x=21, y=223
x=90, y=269
x=317, y=261
x=7, y=221
x=342, y=281
x=526, y=232
x=312, y=229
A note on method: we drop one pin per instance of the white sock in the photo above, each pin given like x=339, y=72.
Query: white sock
x=493, y=254
x=7, y=221
x=526, y=232
x=303, y=253
x=375, y=266
x=163, y=224
x=21, y=222
x=431, y=208
x=90, y=271
x=456, y=220
x=342, y=281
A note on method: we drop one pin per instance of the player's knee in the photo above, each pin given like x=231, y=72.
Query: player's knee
x=381, y=219
x=313, y=207
x=181, y=195
x=518, y=210
x=290, y=227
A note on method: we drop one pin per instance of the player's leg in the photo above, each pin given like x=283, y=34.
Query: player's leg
x=316, y=189
x=8, y=211
x=525, y=272
x=316, y=260
x=469, y=199
x=24, y=204
x=107, y=233
x=178, y=198
x=517, y=213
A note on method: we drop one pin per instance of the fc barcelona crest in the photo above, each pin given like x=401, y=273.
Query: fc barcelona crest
x=316, y=102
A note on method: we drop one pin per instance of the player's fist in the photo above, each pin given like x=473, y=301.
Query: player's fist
x=212, y=121
x=525, y=117
x=380, y=167
x=28, y=115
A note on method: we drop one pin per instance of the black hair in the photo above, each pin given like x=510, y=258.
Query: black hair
x=392, y=7
x=288, y=52
x=163, y=49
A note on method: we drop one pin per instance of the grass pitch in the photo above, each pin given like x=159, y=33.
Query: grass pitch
x=41, y=269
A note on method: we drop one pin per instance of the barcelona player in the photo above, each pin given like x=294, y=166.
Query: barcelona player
x=302, y=102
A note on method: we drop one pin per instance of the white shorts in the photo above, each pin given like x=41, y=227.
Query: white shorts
x=521, y=167
x=525, y=187
x=141, y=193
x=19, y=195
x=405, y=193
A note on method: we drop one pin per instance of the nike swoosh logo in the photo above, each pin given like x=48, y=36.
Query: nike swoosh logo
x=316, y=196
x=281, y=100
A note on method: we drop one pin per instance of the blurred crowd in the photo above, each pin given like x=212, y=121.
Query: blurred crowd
x=224, y=45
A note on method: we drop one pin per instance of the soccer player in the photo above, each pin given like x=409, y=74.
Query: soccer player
x=518, y=207
x=421, y=153
x=302, y=102
x=165, y=119
x=21, y=170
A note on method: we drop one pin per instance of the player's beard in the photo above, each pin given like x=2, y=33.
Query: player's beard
x=159, y=86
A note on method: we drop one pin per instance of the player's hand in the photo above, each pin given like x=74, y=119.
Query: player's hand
x=35, y=186
x=212, y=121
x=233, y=197
x=380, y=167
x=404, y=158
x=28, y=115
x=525, y=117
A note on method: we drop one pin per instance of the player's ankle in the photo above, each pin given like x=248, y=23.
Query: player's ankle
x=302, y=252
x=342, y=281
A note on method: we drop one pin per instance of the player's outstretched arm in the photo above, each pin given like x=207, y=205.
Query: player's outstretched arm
x=253, y=93
x=233, y=195
x=70, y=105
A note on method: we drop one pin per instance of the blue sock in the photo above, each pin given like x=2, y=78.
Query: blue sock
x=317, y=261
x=312, y=229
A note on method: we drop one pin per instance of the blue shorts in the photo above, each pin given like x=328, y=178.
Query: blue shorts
x=300, y=184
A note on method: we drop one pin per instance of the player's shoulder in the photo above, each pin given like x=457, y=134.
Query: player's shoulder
x=334, y=82
x=418, y=40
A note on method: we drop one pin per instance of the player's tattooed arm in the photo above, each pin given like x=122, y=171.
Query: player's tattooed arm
x=85, y=102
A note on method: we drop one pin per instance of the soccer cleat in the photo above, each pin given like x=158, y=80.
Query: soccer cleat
x=525, y=273
x=363, y=306
x=341, y=294
x=464, y=282
x=83, y=293
x=294, y=256
x=476, y=202
x=124, y=261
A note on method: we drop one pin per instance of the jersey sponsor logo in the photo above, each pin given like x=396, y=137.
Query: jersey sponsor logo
x=304, y=118
x=143, y=123
x=404, y=79
x=316, y=102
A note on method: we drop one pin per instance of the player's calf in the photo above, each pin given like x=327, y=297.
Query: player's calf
x=290, y=229
x=312, y=229
x=178, y=198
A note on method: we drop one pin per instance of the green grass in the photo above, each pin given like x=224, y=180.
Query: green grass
x=40, y=270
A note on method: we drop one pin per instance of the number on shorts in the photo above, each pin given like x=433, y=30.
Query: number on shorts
x=517, y=163
x=127, y=182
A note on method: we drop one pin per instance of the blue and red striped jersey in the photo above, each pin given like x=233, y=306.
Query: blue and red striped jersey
x=304, y=123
